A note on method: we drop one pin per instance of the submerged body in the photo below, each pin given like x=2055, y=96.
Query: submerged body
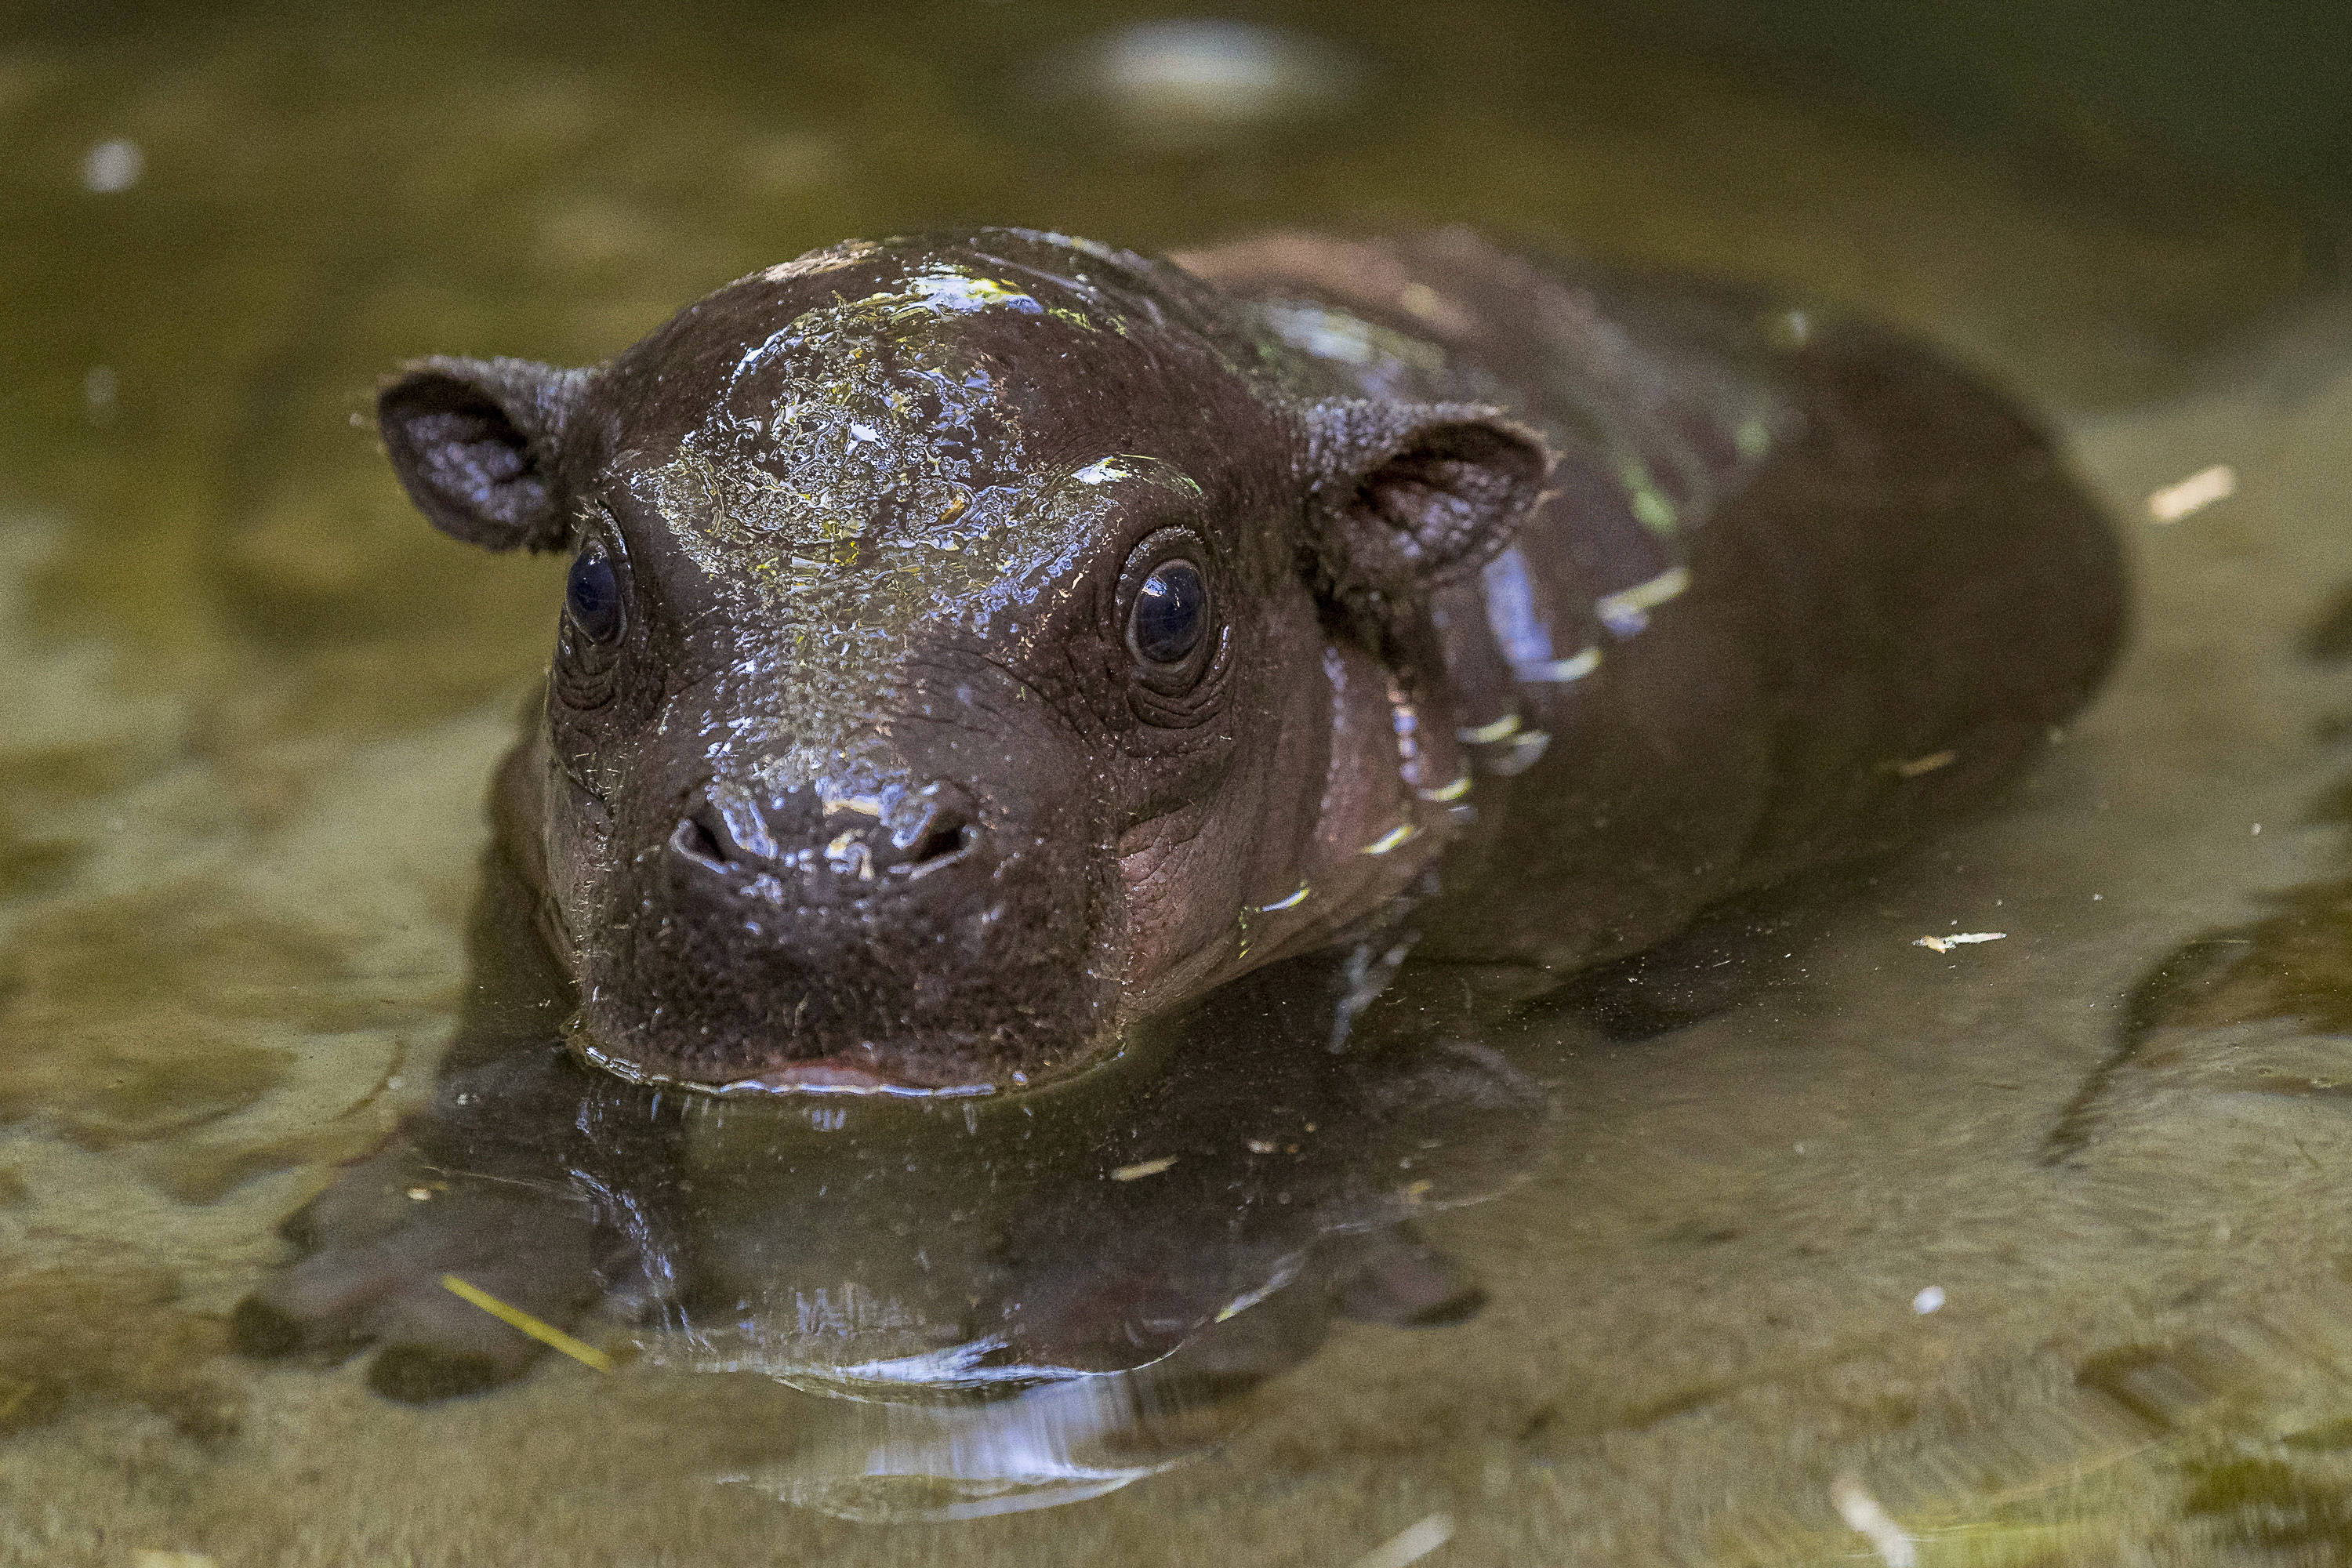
x=977, y=644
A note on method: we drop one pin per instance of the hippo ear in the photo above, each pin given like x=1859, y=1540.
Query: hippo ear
x=475, y=444
x=1407, y=496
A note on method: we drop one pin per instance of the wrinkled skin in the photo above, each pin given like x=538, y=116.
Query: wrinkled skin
x=874, y=758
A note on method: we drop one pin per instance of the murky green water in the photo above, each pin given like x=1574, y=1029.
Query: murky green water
x=248, y=704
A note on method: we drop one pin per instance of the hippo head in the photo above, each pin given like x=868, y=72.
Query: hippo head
x=972, y=643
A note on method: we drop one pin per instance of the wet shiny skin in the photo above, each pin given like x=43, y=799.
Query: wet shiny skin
x=979, y=643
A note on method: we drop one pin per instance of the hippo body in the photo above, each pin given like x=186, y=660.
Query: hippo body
x=979, y=643
x=1797, y=590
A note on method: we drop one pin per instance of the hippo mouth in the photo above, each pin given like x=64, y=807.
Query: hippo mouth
x=870, y=1072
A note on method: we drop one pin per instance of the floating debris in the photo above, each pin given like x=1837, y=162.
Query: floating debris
x=1626, y=612
x=516, y=1318
x=1927, y=765
x=2195, y=493
x=1143, y=1168
x=112, y=166
x=1186, y=81
x=1928, y=1301
x=1869, y=1518
x=100, y=387
x=1957, y=939
x=1411, y=1544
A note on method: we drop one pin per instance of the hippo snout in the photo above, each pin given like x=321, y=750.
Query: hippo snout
x=886, y=931
x=822, y=846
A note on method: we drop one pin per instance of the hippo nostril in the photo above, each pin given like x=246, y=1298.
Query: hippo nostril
x=725, y=830
x=694, y=839
x=938, y=835
x=941, y=840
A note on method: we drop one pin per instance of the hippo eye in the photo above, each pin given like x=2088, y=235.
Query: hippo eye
x=1171, y=615
x=591, y=595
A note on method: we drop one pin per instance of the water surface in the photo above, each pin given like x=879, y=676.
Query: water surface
x=250, y=703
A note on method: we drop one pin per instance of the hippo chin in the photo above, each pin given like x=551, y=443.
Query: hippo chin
x=978, y=642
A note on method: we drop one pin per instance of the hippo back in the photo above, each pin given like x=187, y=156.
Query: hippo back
x=1801, y=589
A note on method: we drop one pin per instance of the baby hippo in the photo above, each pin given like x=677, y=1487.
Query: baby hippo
x=978, y=642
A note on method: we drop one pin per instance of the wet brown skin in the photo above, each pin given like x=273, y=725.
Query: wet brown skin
x=1593, y=601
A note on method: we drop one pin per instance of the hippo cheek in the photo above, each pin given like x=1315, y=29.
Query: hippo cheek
x=977, y=958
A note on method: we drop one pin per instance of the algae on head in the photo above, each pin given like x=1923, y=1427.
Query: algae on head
x=866, y=473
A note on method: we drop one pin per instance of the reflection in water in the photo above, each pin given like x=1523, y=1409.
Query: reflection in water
x=1031, y=1300
x=1051, y=1442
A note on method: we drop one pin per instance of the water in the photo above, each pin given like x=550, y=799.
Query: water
x=251, y=704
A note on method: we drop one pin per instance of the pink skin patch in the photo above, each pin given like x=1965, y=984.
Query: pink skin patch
x=824, y=1075
x=828, y=1073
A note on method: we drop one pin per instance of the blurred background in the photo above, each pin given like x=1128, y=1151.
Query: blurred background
x=225, y=222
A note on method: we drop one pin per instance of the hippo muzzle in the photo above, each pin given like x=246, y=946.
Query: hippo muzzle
x=903, y=921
